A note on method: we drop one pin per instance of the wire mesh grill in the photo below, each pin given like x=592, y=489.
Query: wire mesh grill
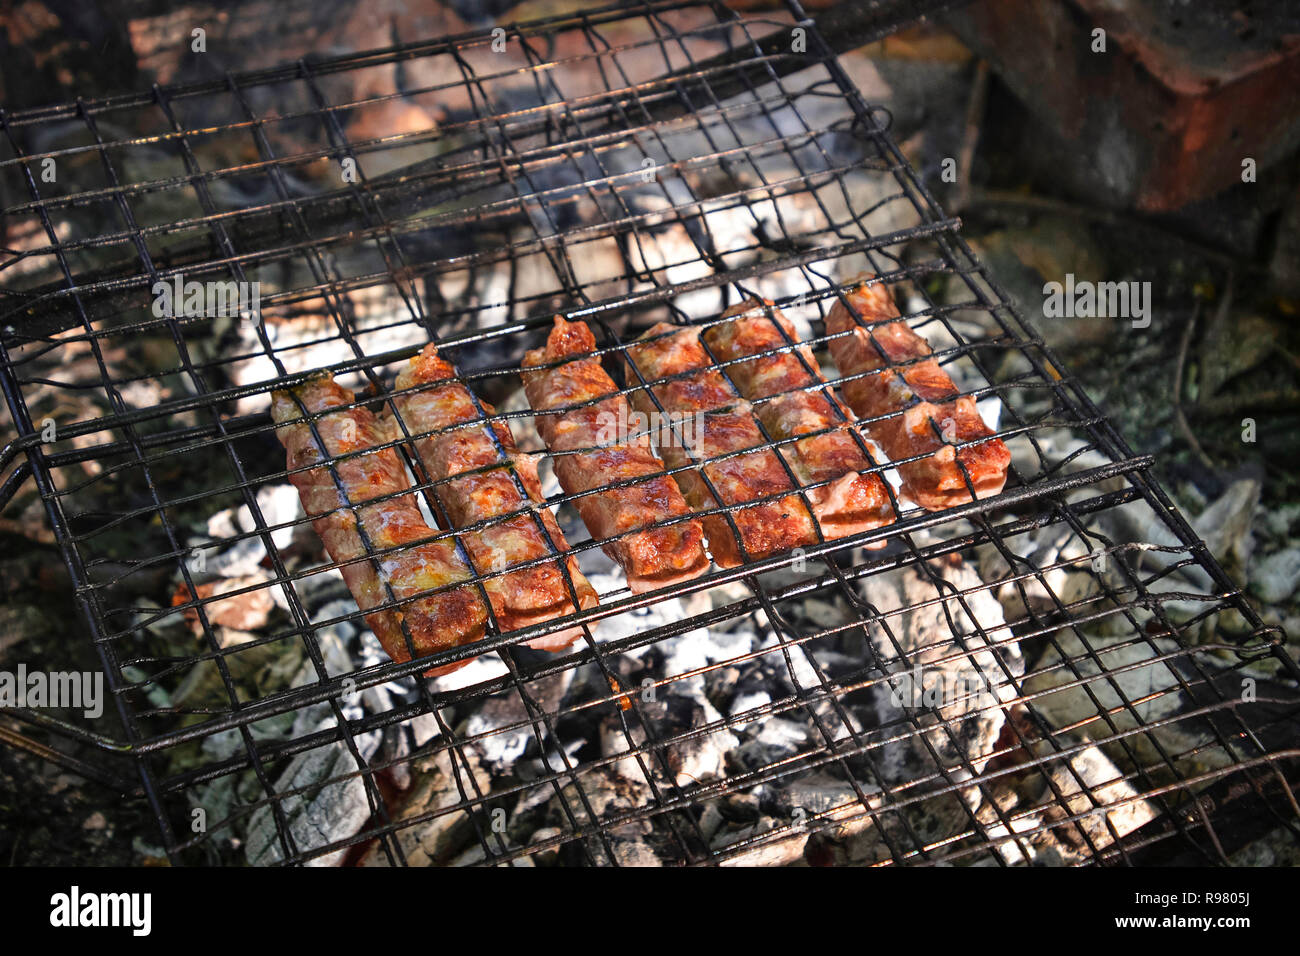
x=1012, y=680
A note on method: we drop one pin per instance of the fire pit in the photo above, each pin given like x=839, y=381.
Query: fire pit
x=1057, y=674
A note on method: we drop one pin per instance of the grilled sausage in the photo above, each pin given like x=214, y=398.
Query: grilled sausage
x=923, y=413
x=484, y=454
x=716, y=421
x=437, y=622
x=848, y=498
x=582, y=420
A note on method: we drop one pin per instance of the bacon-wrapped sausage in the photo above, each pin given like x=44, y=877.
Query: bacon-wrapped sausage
x=850, y=498
x=437, y=622
x=715, y=421
x=521, y=598
x=925, y=414
x=585, y=412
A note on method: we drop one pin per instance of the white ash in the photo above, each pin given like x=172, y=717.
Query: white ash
x=504, y=743
x=1090, y=782
x=688, y=651
x=475, y=856
x=1010, y=842
x=711, y=820
x=332, y=806
x=485, y=667
x=380, y=322
x=782, y=736
x=750, y=700
x=279, y=505
x=794, y=667
x=438, y=786
x=1067, y=568
x=964, y=718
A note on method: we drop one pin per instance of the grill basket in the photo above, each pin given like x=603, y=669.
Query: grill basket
x=1059, y=674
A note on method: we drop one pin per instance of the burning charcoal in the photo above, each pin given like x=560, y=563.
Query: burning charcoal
x=818, y=794
x=613, y=742
x=635, y=853
x=549, y=856
x=1092, y=781
x=700, y=758
x=608, y=795
x=952, y=691
x=825, y=614
x=475, y=856
x=796, y=671
x=327, y=809
x=720, y=686
x=737, y=726
x=783, y=852
x=436, y=841
x=1050, y=546
x=711, y=820
x=502, y=748
x=1014, y=852
x=692, y=760
x=549, y=763
x=324, y=813
x=1225, y=525
x=349, y=628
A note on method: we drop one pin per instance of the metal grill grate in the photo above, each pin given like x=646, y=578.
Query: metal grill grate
x=622, y=167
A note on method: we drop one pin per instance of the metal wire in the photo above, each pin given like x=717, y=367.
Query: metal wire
x=689, y=115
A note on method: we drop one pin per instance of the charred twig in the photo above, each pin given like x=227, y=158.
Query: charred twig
x=1221, y=313
x=975, y=108
x=1180, y=417
x=1235, y=404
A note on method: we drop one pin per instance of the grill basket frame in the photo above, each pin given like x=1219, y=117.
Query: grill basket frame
x=521, y=158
